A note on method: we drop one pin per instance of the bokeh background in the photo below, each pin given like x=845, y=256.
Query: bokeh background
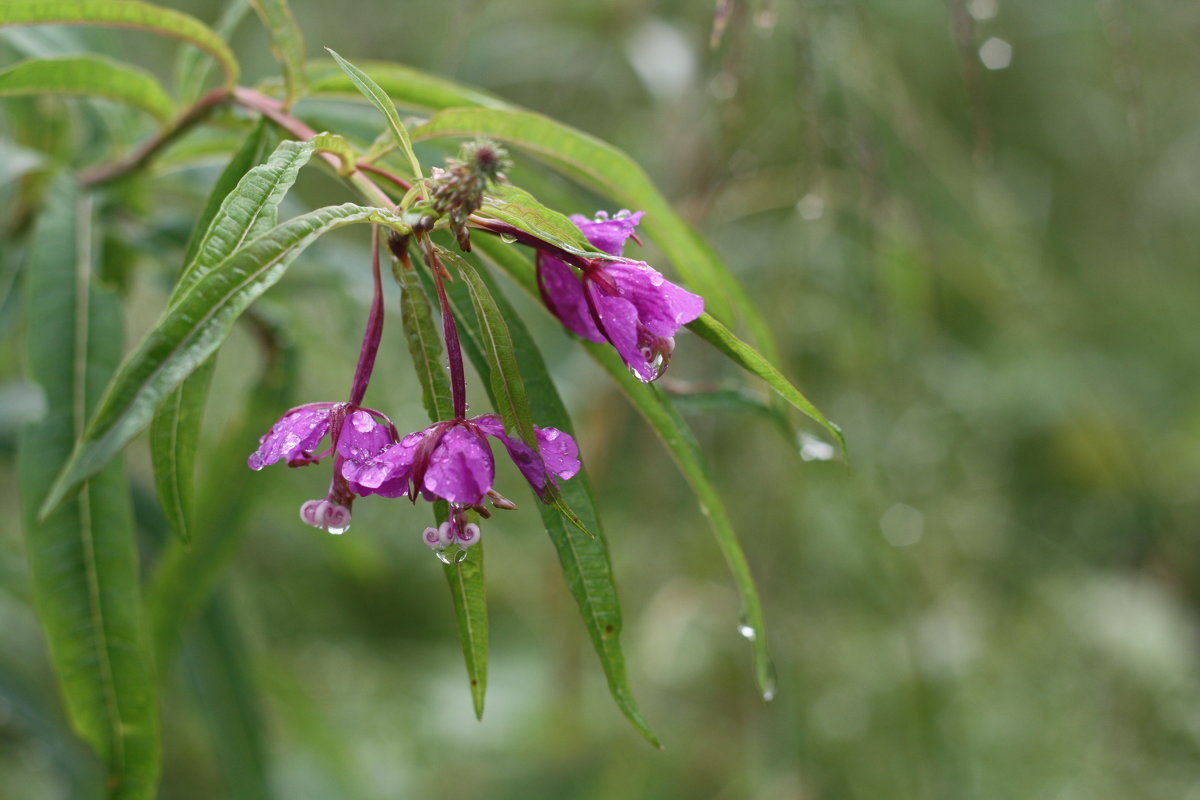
x=971, y=225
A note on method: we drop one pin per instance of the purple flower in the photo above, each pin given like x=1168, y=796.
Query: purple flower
x=355, y=434
x=626, y=303
x=453, y=461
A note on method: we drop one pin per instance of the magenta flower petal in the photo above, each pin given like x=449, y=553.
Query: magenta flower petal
x=559, y=452
x=385, y=472
x=527, y=461
x=619, y=322
x=297, y=432
x=461, y=468
x=362, y=436
x=563, y=294
x=607, y=234
x=662, y=307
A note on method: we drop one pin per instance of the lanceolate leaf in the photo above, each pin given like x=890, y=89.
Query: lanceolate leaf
x=287, y=43
x=122, y=14
x=409, y=87
x=673, y=431
x=465, y=579
x=190, y=331
x=520, y=209
x=425, y=344
x=83, y=558
x=192, y=68
x=745, y=356
x=507, y=387
x=379, y=98
x=92, y=76
x=584, y=557
x=675, y=434
x=175, y=430
x=183, y=578
x=220, y=669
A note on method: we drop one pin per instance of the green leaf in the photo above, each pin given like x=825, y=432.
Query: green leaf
x=248, y=198
x=123, y=14
x=83, y=558
x=749, y=359
x=184, y=577
x=424, y=344
x=221, y=674
x=522, y=210
x=379, y=98
x=287, y=43
x=338, y=146
x=674, y=433
x=584, y=557
x=190, y=331
x=191, y=68
x=466, y=578
x=92, y=76
x=409, y=87
x=504, y=376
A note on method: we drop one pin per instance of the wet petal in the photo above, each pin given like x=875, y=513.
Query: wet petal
x=362, y=436
x=522, y=455
x=606, y=234
x=662, y=307
x=386, y=472
x=562, y=292
x=619, y=322
x=299, y=430
x=559, y=452
x=461, y=468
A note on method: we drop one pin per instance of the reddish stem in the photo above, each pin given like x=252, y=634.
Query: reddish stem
x=371, y=336
x=458, y=381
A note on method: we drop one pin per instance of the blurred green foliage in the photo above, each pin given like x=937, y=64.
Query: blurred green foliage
x=982, y=274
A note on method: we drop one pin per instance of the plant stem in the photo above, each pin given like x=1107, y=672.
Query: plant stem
x=371, y=336
x=458, y=381
x=273, y=110
x=140, y=157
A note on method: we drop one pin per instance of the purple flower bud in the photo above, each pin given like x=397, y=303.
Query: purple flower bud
x=430, y=537
x=468, y=535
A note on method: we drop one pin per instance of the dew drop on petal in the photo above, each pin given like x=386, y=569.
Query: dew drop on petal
x=656, y=280
x=552, y=434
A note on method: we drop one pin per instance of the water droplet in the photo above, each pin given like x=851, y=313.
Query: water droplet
x=656, y=279
x=431, y=483
x=504, y=237
x=552, y=434
x=337, y=530
x=747, y=631
x=451, y=555
x=769, y=682
x=814, y=449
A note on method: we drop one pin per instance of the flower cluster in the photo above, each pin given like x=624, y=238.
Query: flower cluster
x=609, y=299
x=624, y=302
x=449, y=460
